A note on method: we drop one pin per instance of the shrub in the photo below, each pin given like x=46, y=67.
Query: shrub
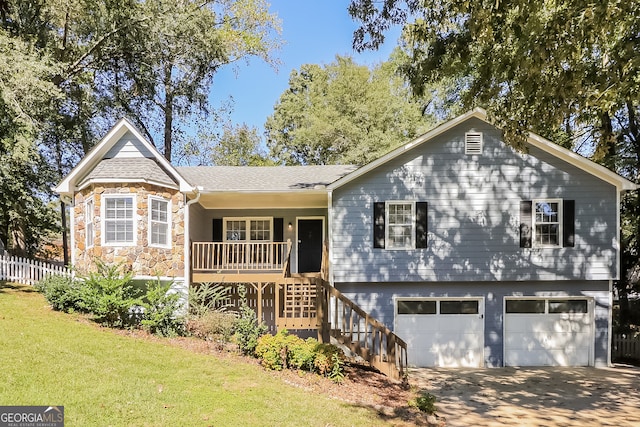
x=110, y=296
x=160, y=308
x=207, y=297
x=247, y=328
x=212, y=325
x=337, y=369
x=275, y=351
x=62, y=293
x=282, y=351
x=425, y=402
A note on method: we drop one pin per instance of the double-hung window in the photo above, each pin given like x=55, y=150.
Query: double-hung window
x=159, y=222
x=89, y=226
x=400, y=221
x=547, y=223
x=119, y=220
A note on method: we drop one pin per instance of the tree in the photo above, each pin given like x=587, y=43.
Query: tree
x=165, y=73
x=152, y=61
x=566, y=70
x=342, y=113
x=25, y=92
x=233, y=145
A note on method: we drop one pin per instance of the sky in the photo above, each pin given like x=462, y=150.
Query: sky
x=314, y=32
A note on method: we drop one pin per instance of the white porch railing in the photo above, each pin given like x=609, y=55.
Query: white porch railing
x=28, y=271
x=240, y=256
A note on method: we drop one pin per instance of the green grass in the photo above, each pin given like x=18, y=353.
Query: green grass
x=105, y=379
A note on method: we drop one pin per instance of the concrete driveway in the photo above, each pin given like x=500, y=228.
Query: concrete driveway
x=534, y=396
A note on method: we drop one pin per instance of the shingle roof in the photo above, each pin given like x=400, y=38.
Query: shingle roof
x=259, y=178
x=129, y=169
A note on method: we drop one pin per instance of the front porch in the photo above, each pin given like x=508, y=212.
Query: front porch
x=304, y=303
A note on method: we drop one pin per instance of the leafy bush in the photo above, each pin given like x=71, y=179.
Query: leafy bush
x=247, y=328
x=425, y=402
x=63, y=293
x=337, y=369
x=207, y=297
x=282, y=351
x=212, y=325
x=160, y=308
x=275, y=351
x=110, y=296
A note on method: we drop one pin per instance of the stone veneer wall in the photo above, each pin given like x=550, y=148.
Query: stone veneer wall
x=141, y=259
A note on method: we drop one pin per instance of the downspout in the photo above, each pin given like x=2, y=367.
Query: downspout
x=330, y=236
x=187, y=239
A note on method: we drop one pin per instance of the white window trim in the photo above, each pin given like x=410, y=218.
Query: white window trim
x=248, y=220
x=387, y=225
x=168, y=223
x=103, y=232
x=89, y=220
x=534, y=244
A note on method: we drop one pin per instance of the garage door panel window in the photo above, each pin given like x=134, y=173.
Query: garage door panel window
x=568, y=306
x=525, y=306
x=459, y=307
x=416, y=307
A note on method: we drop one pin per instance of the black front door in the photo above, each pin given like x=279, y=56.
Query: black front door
x=310, y=236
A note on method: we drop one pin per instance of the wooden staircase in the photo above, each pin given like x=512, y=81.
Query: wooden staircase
x=306, y=302
x=302, y=301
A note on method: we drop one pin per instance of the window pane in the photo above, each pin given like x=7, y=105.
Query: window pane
x=159, y=234
x=547, y=212
x=524, y=306
x=459, y=307
x=159, y=210
x=236, y=230
x=260, y=230
x=568, y=306
x=416, y=307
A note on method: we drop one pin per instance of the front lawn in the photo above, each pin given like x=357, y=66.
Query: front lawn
x=107, y=379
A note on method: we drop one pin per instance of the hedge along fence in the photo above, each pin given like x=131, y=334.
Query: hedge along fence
x=28, y=271
x=625, y=347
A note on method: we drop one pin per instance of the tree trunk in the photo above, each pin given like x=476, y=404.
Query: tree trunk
x=65, y=245
x=168, y=112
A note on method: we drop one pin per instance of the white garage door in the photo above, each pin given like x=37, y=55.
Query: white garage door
x=442, y=332
x=548, y=332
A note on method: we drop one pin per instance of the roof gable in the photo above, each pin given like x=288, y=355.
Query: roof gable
x=599, y=171
x=122, y=142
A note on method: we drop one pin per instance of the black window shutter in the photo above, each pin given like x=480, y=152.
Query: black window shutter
x=278, y=229
x=525, y=223
x=378, y=225
x=568, y=223
x=217, y=229
x=421, y=224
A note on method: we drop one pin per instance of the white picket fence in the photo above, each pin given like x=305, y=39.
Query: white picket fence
x=28, y=271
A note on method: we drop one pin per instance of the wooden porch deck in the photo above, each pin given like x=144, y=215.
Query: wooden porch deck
x=299, y=301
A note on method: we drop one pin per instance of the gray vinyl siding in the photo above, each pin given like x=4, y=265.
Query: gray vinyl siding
x=202, y=222
x=128, y=146
x=473, y=215
x=379, y=302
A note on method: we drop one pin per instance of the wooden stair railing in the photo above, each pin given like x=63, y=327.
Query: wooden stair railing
x=364, y=335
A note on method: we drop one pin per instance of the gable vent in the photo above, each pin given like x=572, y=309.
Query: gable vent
x=473, y=143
